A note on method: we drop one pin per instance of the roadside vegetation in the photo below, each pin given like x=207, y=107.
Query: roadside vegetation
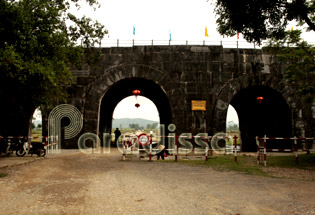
x=248, y=164
x=37, y=132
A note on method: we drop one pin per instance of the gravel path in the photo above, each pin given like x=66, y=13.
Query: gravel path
x=103, y=184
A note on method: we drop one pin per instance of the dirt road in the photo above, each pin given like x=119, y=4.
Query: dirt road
x=102, y=184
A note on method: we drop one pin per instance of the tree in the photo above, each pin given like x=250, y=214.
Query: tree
x=135, y=126
x=233, y=127
x=298, y=58
x=154, y=125
x=258, y=20
x=38, y=44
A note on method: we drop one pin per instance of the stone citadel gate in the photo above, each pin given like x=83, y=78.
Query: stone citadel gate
x=172, y=76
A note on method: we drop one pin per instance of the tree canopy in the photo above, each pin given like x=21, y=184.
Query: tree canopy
x=298, y=58
x=258, y=20
x=38, y=44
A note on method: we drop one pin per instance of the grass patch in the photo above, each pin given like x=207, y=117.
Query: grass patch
x=37, y=135
x=305, y=161
x=248, y=165
x=2, y=175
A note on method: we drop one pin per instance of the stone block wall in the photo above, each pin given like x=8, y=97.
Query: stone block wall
x=184, y=73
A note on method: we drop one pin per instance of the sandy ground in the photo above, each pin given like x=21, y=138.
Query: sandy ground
x=104, y=184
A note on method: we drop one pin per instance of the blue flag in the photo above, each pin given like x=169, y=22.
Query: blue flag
x=170, y=35
x=134, y=30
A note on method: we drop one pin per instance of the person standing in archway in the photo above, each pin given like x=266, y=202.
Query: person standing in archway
x=117, y=135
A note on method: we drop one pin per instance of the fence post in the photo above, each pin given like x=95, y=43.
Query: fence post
x=207, y=149
x=150, y=156
x=152, y=42
x=258, y=150
x=117, y=42
x=176, y=148
x=265, y=150
x=296, y=150
x=57, y=145
x=53, y=140
x=124, y=151
x=46, y=143
x=235, y=148
x=133, y=42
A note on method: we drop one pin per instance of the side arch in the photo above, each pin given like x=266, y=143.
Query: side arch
x=280, y=108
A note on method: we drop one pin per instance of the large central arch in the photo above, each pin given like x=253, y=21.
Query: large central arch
x=123, y=89
x=118, y=82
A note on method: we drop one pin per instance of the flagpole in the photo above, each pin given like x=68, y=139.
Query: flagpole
x=169, y=43
x=134, y=35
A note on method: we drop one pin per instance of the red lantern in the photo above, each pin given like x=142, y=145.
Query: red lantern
x=259, y=99
x=136, y=92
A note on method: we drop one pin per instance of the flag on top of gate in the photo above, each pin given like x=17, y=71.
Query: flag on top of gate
x=206, y=32
x=134, y=30
x=170, y=35
x=238, y=35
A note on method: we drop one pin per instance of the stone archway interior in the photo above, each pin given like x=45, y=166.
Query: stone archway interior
x=271, y=117
x=123, y=89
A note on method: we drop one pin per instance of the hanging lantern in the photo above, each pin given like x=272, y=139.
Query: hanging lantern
x=136, y=92
x=259, y=99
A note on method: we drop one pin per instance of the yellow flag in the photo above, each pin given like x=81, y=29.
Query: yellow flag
x=206, y=32
x=291, y=28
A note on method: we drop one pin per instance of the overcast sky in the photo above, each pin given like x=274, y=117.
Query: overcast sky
x=126, y=109
x=156, y=19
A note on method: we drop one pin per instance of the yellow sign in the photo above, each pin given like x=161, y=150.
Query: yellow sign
x=198, y=105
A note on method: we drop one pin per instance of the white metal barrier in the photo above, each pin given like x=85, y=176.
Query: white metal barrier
x=131, y=145
x=262, y=147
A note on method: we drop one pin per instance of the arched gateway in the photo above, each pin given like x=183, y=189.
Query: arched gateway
x=173, y=76
x=268, y=108
x=118, y=83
